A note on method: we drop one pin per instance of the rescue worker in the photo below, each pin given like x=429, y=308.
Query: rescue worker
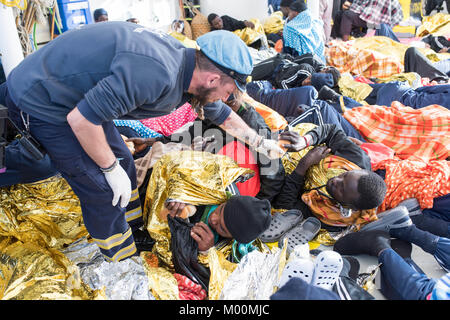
x=68, y=92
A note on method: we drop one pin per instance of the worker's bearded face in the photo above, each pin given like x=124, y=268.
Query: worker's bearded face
x=200, y=99
x=205, y=95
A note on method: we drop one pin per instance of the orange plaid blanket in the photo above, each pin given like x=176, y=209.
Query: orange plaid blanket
x=363, y=62
x=414, y=179
x=415, y=134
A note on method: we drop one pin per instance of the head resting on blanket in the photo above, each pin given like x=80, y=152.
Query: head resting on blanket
x=242, y=217
x=357, y=189
x=328, y=76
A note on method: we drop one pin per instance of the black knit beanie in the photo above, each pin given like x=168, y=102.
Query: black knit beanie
x=246, y=217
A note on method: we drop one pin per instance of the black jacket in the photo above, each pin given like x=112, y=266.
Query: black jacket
x=340, y=145
x=232, y=24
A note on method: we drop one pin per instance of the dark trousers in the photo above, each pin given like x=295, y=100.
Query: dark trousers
x=349, y=21
x=21, y=167
x=421, y=97
x=386, y=31
x=323, y=113
x=415, y=61
x=109, y=226
x=401, y=280
x=284, y=101
x=287, y=101
x=298, y=289
x=440, y=209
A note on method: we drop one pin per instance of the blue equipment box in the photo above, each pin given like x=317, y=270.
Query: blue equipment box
x=74, y=14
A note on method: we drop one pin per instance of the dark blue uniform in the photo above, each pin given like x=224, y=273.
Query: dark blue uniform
x=108, y=70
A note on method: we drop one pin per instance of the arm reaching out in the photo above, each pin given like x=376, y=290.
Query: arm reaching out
x=237, y=127
x=93, y=140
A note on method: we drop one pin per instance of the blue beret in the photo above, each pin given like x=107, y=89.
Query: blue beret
x=229, y=53
x=318, y=80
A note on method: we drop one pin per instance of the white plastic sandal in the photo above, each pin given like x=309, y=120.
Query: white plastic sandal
x=327, y=267
x=297, y=268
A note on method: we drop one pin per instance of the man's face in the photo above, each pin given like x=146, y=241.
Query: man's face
x=222, y=91
x=217, y=23
x=292, y=14
x=216, y=221
x=344, y=188
x=285, y=11
x=102, y=18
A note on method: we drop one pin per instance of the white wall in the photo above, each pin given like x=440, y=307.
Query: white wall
x=11, y=53
x=151, y=13
x=238, y=9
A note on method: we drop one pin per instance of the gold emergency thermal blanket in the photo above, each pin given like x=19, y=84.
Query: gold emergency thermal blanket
x=274, y=23
x=193, y=177
x=250, y=35
x=438, y=25
x=36, y=221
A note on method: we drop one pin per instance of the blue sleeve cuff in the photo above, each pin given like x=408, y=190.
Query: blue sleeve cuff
x=217, y=112
x=87, y=112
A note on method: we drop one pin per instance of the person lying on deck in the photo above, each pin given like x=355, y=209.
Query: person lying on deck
x=350, y=191
x=228, y=23
x=242, y=218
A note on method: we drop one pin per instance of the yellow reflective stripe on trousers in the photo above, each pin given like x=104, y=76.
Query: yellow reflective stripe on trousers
x=134, y=195
x=133, y=214
x=123, y=253
x=114, y=240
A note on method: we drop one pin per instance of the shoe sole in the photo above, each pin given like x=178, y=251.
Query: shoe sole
x=275, y=231
x=397, y=217
x=301, y=234
x=412, y=205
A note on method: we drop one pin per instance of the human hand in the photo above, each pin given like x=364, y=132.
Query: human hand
x=141, y=143
x=201, y=144
x=300, y=110
x=314, y=156
x=270, y=149
x=203, y=235
x=120, y=184
x=356, y=141
x=249, y=24
x=175, y=208
x=298, y=142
